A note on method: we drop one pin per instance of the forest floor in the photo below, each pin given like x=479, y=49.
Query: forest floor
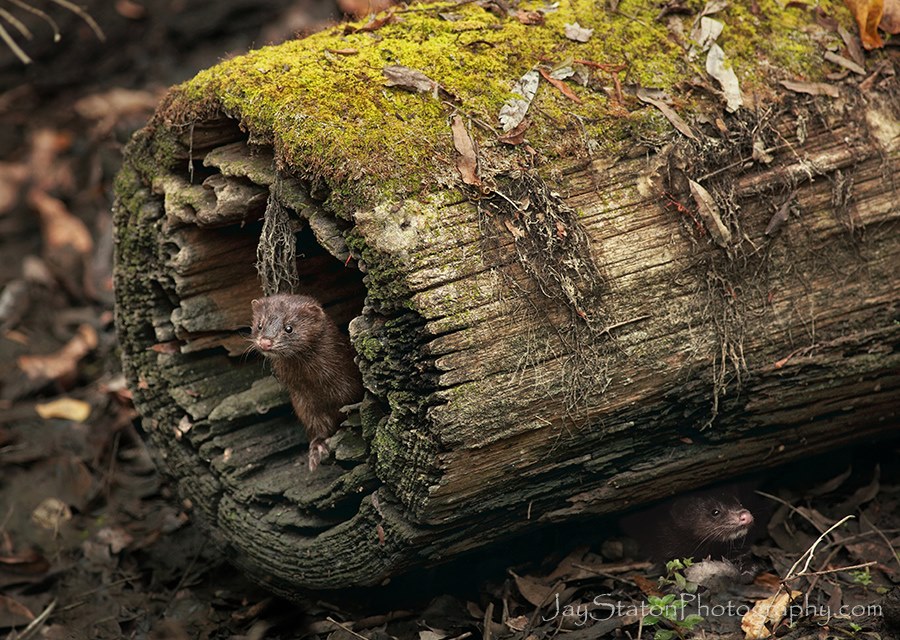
x=95, y=544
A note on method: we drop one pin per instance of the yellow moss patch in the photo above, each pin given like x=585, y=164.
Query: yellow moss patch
x=331, y=117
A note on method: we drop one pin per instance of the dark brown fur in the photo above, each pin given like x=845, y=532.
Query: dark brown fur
x=312, y=358
x=698, y=526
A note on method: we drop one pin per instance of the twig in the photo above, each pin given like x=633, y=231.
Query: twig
x=883, y=537
x=791, y=507
x=835, y=570
x=345, y=628
x=810, y=552
x=34, y=626
x=15, y=22
x=40, y=14
x=81, y=13
x=16, y=49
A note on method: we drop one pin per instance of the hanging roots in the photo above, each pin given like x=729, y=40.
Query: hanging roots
x=276, y=253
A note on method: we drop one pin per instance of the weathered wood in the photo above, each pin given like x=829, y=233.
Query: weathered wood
x=528, y=357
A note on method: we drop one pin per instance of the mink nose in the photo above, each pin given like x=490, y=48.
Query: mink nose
x=265, y=344
x=745, y=518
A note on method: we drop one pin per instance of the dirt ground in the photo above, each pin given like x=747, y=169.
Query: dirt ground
x=93, y=542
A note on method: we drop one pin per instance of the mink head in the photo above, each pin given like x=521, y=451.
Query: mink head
x=712, y=519
x=286, y=326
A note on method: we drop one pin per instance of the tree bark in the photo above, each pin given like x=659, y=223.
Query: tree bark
x=562, y=341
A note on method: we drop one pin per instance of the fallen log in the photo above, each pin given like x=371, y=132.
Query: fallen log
x=608, y=302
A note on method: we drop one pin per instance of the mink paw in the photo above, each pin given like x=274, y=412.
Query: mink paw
x=317, y=451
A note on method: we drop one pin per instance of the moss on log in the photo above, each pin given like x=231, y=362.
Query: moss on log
x=601, y=310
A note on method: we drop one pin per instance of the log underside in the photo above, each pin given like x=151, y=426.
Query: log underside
x=491, y=408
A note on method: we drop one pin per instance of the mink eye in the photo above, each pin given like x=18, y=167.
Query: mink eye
x=259, y=326
x=288, y=328
x=715, y=513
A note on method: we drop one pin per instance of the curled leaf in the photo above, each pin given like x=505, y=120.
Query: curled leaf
x=867, y=14
x=577, y=33
x=514, y=110
x=409, y=79
x=725, y=76
x=562, y=86
x=709, y=213
x=466, y=160
x=682, y=126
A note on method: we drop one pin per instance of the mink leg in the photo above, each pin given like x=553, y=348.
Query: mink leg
x=317, y=450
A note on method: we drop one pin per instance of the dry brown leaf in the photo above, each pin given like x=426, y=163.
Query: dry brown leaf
x=812, y=88
x=530, y=17
x=867, y=14
x=65, y=409
x=890, y=19
x=372, y=25
x=562, y=86
x=771, y=611
x=577, y=33
x=61, y=364
x=535, y=592
x=13, y=614
x=668, y=112
x=709, y=213
x=409, y=79
x=516, y=135
x=51, y=513
x=59, y=228
x=110, y=107
x=513, y=110
x=466, y=160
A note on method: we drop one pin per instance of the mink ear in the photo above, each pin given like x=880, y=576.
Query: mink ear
x=254, y=304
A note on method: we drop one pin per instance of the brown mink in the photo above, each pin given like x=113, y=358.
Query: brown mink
x=312, y=358
x=698, y=526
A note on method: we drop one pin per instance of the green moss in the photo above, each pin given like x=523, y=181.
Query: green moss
x=323, y=102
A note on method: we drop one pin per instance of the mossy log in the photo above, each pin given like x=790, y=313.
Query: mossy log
x=577, y=322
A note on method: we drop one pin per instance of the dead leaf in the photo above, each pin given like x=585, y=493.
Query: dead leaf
x=513, y=111
x=890, y=19
x=13, y=614
x=530, y=17
x=116, y=537
x=63, y=363
x=51, y=513
x=847, y=63
x=12, y=177
x=562, y=86
x=867, y=14
x=343, y=52
x=725, y=76
x=65, y=409
x=535, y=592
x=779, y=218
x=516, y=135
x=131, y=10
x=517, y=233
x=409, y=79
x=517, y=624
x=577, y=33
x=375, y=23
x=768, y=611
x=110, y=107
x=59, y=228
x=812, y=88
x=668, y=112
x=466, y=160
x=709, y=213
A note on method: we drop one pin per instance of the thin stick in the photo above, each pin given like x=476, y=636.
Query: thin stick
x=345, y=628
x=21, y=55
x=81, y=13
x=33, y=627
x=40, y=14
x=809, y=553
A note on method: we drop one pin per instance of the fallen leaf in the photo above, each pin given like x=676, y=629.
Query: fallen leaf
x=890, y=19
x=51, y=513
x=668, y=112
x=516, y=135
x=13, y=614
x=562, y=86
x=466, y=160
x=577, y=33
x=779, y=218
x=409, y=79
x=704, y=35
x=853, y=45
x=65, y=409
x=116, y=537
x=110, y=107
x=867, y=14
x=812, y=88
x=61, y=364
x=131, y=10
x=530, y=17
x=429, y=634
x=513, y=111
x=725, y=76
x=709, y=213
x=847, y=63
x=375, y=23
x=59, y=228
x=769, y=611
x=535, y=592
x=517, y=624
x=12, y=177
x=343, y=52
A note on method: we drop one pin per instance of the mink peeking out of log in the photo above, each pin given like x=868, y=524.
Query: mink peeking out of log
x=312, y=359
x=700, y=525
